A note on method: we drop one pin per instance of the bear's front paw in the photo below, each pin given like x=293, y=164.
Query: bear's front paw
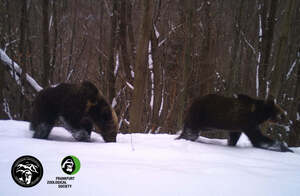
x=277, y=146
x=82, y=135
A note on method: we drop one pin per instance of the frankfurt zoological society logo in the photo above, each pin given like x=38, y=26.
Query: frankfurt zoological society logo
x=70, y=165
x=27, y=171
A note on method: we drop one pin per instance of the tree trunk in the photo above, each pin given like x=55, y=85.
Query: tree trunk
x=123, y=40
x=278, y=73
x=140, y=69
x=46, y=50
x=294, y=135
x=130, y=32
x=22, y=53
x=262, y=14
x=22, y=45
x=55, y=40
x=233, y=85
x=157, y=73
x=73, y=43
x=266, y=47
x=188, y=8
x=2, y=86
x=111, y=80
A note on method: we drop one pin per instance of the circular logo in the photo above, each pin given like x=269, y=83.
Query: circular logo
x=27, y=171
x=70, y=165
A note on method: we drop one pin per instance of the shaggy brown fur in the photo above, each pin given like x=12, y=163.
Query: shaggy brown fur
x=236, y=115
x=79, y=106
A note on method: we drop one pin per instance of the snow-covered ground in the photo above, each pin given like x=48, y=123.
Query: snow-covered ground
x=149, y=165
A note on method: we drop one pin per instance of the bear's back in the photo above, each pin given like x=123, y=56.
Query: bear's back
x=220, y=112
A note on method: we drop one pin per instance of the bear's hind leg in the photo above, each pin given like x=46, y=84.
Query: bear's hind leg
x=42, y=130
x=189, y=134
x=81, y=131
x=234, y=138
x=84, y=133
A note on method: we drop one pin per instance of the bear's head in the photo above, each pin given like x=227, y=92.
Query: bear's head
x=105, y=119
x=99, y=111
x=274, y=113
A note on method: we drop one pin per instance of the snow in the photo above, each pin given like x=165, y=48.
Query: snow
x=161, y=102
x=6, y=108
x=260, y=35
x=146, y=164
x=157, y=34
x=291, y=69
x=257, y=73
x=130, y=85
x=117, y=64
x=50, y=23
x=268, y=89
x=162, y=97
x=173, y=30
x=114, y=103
x=248, y=42
x=150, y=63
x=132, y=72
x=69, y=74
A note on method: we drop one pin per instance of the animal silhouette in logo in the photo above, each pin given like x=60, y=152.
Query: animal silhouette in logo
x=70, y=165
x=27, y=171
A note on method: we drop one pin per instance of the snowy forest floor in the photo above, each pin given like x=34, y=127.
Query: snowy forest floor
x=149, y=165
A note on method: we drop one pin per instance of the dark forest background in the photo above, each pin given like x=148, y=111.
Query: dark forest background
x=151, y=58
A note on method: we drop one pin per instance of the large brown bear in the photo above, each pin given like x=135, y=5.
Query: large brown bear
x=79, y=106
x=236, y=115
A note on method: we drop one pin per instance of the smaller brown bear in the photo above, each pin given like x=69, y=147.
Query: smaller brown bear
x=236, y=115
x=78, y=106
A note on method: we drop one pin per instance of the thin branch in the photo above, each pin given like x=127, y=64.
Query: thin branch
x=14, y=66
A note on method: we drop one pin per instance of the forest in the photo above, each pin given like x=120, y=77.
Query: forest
x=152, y=58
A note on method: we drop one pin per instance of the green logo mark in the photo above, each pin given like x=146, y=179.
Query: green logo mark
x=70, y=165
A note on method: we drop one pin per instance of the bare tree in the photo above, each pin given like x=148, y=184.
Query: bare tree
x=151, y=59
x=267, y=45
x=46, y=46
x=3, y=115
x=22, y=52
x=140, y=68
x=112, y=53
x=277, y=77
